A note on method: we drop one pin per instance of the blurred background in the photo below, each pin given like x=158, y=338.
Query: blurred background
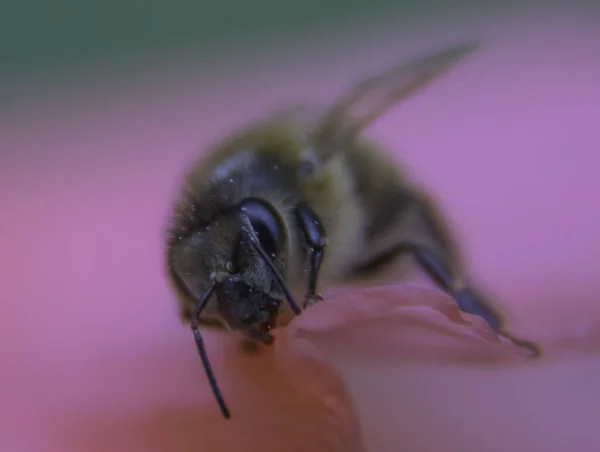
x=102, y=105
x=68, y=41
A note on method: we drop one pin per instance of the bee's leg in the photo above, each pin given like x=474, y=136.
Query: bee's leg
x=435, y=267
x=409, y=224
x=466, y=298
x=314, y=233
x=437, y=270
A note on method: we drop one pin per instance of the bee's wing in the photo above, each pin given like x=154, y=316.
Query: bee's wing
x=372, y=97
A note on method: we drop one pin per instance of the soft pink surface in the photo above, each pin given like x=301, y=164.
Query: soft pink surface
x=93, y=356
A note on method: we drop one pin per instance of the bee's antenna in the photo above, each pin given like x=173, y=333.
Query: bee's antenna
x=257, y=246
x=202, y=302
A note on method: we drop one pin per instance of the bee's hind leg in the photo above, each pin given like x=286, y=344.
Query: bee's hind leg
x=409, y=224
x=467, y=300
x=315, y=237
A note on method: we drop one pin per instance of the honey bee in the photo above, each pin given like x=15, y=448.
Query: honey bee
x=299, y=201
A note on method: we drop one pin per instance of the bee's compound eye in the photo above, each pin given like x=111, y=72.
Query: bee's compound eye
x=266, y=224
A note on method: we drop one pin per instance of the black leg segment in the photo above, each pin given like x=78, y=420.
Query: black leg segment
x=315, y=237
x=441, y=274
x=467, y=300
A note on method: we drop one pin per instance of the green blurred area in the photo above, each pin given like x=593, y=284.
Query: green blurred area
x=37, y=34
x=50, y=35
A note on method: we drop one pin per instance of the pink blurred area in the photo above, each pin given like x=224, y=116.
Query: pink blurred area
x=94, y=357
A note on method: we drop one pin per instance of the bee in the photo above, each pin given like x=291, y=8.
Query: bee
x=301, y=200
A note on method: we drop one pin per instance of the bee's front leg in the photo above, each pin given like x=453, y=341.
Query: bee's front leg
x=315, y=237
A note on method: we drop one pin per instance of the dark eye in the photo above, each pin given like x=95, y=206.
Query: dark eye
x=266, y=224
